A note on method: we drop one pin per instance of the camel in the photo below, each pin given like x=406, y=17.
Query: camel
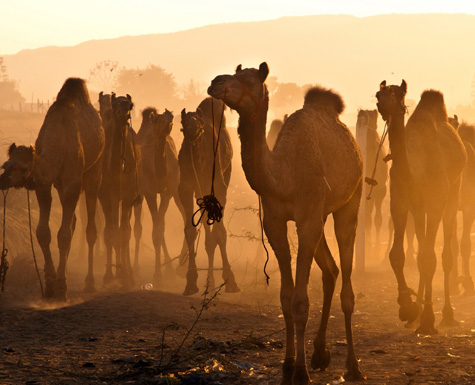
x=119, y=188
x=314, y=170
x=159, y=173
x=68, y=155
x=196, y=170
x=467, y=206
x=274, y=130
x=374, y=162
x=428, y=158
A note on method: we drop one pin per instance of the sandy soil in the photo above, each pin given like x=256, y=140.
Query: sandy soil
x=135, y=337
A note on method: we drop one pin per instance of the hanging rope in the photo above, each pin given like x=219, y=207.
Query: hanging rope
x=210, y=203
x=371, y=181
x=31, y=242
x=262, y=239
x=4, y=262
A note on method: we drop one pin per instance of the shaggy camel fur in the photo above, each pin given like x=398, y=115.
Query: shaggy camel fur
x=119, y=184
x=196, y=165
x=369, y=120
x=314, y=170
x=428, y=158
x=467, y=207
x=159, y=173
x=68, y=155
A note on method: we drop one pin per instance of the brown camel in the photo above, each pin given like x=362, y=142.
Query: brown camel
x=314, y=170
x=428, y=158
x=274, y=130
x=68, y=155
x=119, y=188
x=196, y=169
x=375, y=155
x=159, y=173
x=467, y=206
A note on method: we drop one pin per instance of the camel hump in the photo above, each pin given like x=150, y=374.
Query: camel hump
x=74, y=90
x=318, y=97
x=210, y=105
x=433, y=101
x=467, y=133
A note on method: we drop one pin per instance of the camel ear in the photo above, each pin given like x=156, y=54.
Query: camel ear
x=183, y=114
x=11, y=149
x=151, y=117
x=239, y=68
x=263, y=71
x=129, y=98
x=456, y=118
x=112, y=96
x=404, y=86
x=382, y=85
x=199, y=112
x=100, y=94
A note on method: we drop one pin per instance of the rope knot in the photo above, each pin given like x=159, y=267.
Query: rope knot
x=210, y=204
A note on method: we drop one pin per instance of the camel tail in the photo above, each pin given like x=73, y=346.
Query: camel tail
x=318, y=97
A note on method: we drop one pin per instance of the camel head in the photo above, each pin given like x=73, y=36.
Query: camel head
x=162, y=123
x=244, y=91
x=18, y=167
x=193, y=124
x=121, y=107
x=104, y=102
x=454, y=122
x=391, y=99
x=368, y=118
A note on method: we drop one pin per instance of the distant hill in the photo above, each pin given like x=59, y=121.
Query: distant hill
x=349, y=54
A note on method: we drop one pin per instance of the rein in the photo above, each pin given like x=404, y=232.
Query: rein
x=371, y=181
x=31, y=242
x=4, y=262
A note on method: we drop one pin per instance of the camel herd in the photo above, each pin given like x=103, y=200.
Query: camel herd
x=312, y=168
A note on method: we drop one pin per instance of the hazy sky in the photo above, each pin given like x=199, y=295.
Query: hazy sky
x=36, y=23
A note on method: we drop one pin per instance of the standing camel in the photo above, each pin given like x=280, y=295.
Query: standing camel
x=274, y=130
x=119, y=189
x=428, y=158
x=196, y=170
x=467, y=206
x=314, y=170
x=68, y=156
x=159, y=173
x=375, y=155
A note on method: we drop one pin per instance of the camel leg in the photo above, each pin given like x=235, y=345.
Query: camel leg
x=346, y=220
x=91, y=235
x=322, y=356
x=410, y=236
x=390, y=241
x=69, y=196
x=309, y=236
x=110, y=207
x=369, y=224
x=182, y=265
x=466, y=250
x=220, y=234
x=186, y=197
x=449, y=222
x=276, y=232
x=428, y=262
x=454, y=272
x=408, y=310
x=125, y=230
x=137, y=236
x=162, y=210
x=378, y=222
x=43, y=235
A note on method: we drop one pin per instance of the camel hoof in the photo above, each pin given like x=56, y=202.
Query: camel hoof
x=232, y=288
x=49, y=289
x=409, y=312
x=468, y=288
x=354, y=375
x=288, y=371
x=190, y=290
x=108, y=278
x=321, y=361
x=300, y=376
x=426, y=330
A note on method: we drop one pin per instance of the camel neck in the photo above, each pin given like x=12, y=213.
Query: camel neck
x=397, y=139
x=255, y=153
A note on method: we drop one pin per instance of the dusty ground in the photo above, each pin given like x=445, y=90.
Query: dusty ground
x=119, y=338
